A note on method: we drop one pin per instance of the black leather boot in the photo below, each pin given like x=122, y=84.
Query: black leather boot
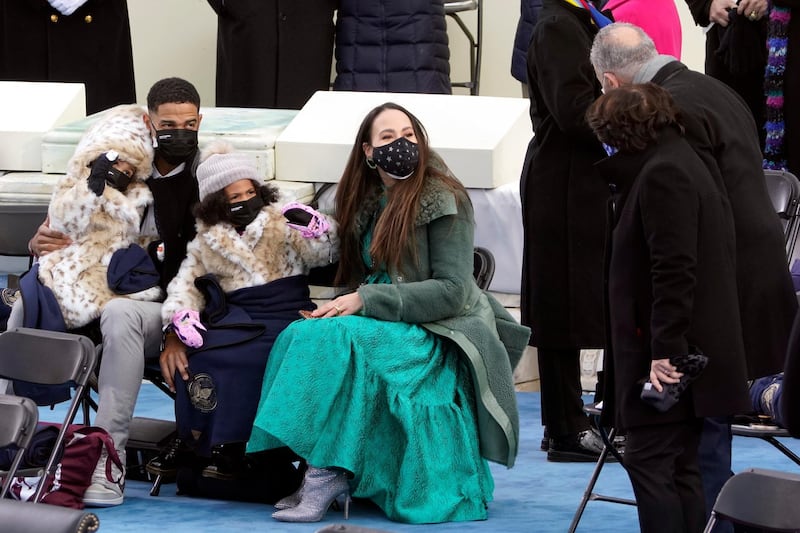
x=175, y=455
x=227, y=461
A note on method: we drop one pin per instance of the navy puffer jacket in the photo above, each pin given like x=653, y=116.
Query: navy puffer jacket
x=528, y=15
x=391, y=46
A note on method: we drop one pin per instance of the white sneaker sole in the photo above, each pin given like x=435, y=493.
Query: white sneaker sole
x=103, y=498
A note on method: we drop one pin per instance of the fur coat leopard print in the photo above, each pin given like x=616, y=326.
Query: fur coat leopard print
x=267, y=250
x=97, y=225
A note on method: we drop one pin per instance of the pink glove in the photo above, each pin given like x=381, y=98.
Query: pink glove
x=187, y=325
x=309, y=222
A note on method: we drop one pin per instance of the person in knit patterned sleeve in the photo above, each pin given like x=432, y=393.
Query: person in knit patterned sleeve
x=782, y=84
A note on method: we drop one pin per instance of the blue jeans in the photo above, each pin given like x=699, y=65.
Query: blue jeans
x=714, y=458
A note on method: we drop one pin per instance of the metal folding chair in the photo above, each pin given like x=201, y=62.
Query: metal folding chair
x=18, y=419
x=768, y=433
x=608, y=448
x=784, y=191
x=49, y=358
x=452, y=8
x=764, y=499
x=26, y=517
x=483, y=267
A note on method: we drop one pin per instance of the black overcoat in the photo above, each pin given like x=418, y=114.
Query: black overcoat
x=273, y=53
x=790, y=397
x=563, y=198
x=91, y=46
x=725, y=137
x=672, y=282
x=747, y=78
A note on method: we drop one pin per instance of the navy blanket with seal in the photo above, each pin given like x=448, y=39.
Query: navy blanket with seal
x=220, y=399
x=41, y=311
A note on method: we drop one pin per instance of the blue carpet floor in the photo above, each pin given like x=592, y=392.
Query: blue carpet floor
x=534, y=496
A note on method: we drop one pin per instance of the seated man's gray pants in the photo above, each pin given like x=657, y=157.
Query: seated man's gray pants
x=131, y=332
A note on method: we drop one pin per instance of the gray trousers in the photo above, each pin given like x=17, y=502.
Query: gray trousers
x=131, y=332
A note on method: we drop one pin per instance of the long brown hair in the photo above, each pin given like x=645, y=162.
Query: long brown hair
x=393, y=237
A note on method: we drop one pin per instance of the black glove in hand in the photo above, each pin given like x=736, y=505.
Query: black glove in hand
x=97, y=177
x=297, y=216
x=690, y=365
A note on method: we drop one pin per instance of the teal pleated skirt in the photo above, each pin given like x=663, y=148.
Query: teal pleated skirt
x=390, y=402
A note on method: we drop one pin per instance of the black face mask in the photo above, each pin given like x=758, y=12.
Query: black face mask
x=243, y=213
x=118, y=179
x=175, y=146
x=399, y=158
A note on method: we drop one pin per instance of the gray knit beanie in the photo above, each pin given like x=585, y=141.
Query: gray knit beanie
x=220, y=166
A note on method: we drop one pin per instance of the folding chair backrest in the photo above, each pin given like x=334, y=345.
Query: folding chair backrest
x=784, y=191
x=18, y=419
x=46, y=357
x=49, y=358
x=483, y=267
x=759, y=498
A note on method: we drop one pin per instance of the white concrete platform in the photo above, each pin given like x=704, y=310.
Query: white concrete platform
x=27, y=187
x=28, y=111
x=252, y=131
x=482, y=139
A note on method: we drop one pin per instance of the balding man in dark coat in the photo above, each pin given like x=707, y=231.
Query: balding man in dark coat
x=723, y=133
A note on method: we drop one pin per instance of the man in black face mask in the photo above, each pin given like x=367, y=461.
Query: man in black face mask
x=173, y=116
x=131, y=329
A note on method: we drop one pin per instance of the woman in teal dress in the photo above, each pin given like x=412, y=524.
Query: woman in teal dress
x=401, y=389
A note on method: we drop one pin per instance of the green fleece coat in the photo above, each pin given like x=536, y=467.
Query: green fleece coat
x=439, y=292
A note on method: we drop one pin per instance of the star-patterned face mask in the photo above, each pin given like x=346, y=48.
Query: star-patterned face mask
x=399, y=158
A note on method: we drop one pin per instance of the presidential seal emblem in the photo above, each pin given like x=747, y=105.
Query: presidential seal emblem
x=202, y=393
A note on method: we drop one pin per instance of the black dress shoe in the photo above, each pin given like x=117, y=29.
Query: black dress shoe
x=228, y=461
x=582, y=447
x=170, y=459
x=545, y=444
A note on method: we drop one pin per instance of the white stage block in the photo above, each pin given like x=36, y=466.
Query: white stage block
x=27, y=187
x=498, y=227
x=252, y=131
x=294, y=191
x=28, y=110
x=482, y=139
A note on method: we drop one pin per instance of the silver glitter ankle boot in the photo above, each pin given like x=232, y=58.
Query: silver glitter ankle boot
x=320, y=488
x=292, y=500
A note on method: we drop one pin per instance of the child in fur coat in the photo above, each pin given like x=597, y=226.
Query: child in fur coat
x=243, y=281
x=99, y=204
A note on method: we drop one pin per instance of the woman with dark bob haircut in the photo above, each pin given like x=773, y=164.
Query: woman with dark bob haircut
x=632, y=119
x=672, y=300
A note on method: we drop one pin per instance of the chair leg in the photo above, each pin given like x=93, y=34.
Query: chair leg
x=589, y=492
x=712, y=521
x=786, y=451
x=156, y=488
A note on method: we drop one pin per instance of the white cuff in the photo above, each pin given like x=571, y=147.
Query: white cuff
x=66, y=7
